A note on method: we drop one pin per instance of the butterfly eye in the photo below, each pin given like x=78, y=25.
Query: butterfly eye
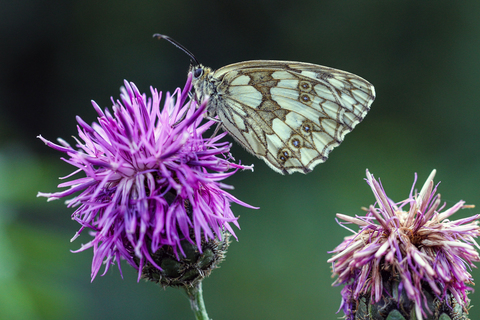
x=198, y=73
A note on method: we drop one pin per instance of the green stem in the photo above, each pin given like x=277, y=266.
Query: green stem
x=195, y=294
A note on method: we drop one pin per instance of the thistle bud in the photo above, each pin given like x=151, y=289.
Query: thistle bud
x=396, y=305
x=189, y=268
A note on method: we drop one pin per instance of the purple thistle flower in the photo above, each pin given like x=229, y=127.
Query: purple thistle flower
x=151, y=179
x=420, y=247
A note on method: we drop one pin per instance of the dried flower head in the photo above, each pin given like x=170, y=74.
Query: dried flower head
x=151, y=179
x=407, y=253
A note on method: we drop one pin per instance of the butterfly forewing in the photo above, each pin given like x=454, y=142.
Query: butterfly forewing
x=291, y=114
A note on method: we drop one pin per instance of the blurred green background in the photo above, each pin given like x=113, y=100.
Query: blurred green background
x=56, y=56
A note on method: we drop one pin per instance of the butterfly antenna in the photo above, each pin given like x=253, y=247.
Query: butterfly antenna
x=179, y=46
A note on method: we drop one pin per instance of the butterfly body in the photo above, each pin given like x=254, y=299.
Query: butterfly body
x=290, y=114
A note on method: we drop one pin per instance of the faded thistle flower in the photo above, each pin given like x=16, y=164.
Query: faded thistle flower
x=152, y=190
x=408, y=260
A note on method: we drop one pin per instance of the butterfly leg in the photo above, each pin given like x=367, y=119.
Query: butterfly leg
x=219, y=125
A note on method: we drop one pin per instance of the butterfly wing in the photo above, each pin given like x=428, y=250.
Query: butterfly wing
x=291, y=114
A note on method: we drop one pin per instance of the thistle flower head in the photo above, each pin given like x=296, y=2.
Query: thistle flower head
x=151, y=179
x=413, y=241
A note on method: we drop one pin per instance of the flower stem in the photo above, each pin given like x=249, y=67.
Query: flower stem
x=195, y=294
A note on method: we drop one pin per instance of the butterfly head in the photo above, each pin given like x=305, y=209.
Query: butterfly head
x=201, y=81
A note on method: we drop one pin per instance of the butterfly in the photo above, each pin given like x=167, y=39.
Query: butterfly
x=290, y=114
